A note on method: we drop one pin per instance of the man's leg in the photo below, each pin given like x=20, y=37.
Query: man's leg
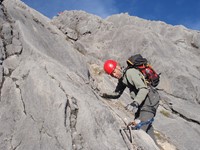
x=145, y=116
x=150, y=132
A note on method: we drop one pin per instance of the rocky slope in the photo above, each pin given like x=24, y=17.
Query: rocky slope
x=51, y=73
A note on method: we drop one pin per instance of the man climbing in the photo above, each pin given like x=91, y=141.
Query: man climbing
x=145, y=98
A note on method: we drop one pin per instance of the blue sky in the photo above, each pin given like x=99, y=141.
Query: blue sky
x=174, y=12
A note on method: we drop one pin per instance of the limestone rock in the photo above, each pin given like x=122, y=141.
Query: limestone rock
x=51, y=74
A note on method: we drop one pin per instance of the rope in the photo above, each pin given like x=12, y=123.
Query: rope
x=139, y=125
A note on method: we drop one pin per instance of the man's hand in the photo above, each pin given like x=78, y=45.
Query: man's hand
x=103, y=95
x=133, y=107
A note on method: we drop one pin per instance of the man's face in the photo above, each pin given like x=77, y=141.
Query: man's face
x=117, y=73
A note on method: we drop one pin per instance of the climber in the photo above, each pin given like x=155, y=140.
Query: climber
x=145, y=98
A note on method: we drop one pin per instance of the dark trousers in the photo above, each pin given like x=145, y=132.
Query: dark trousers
x=145, y=116
x=147, y=111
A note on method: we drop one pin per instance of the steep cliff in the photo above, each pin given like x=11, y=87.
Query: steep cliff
x=51, y=73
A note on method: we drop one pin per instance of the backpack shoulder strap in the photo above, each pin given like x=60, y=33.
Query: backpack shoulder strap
x=142, y=76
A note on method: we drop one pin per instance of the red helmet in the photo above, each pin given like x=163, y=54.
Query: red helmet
x=109, y=66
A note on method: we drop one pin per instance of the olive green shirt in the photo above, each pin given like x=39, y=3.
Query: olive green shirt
x=134, y=80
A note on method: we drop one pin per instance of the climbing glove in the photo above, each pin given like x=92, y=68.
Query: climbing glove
x=103, y=95
x=133, y=107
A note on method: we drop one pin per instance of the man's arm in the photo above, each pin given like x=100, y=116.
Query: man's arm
x=118, y=91
x=135, y=78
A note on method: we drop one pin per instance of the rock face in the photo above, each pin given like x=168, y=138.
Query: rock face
x=51, y=73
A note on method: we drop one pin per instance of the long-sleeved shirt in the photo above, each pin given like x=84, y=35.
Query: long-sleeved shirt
x=134, y=80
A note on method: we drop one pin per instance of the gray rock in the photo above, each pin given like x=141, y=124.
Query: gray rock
x=1, y=74
x=157, y=41
x=195, y=42
x=6, y=33
x=2, y=52
x=51, y=74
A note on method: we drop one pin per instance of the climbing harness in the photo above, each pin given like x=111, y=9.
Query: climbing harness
x=136, y=126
